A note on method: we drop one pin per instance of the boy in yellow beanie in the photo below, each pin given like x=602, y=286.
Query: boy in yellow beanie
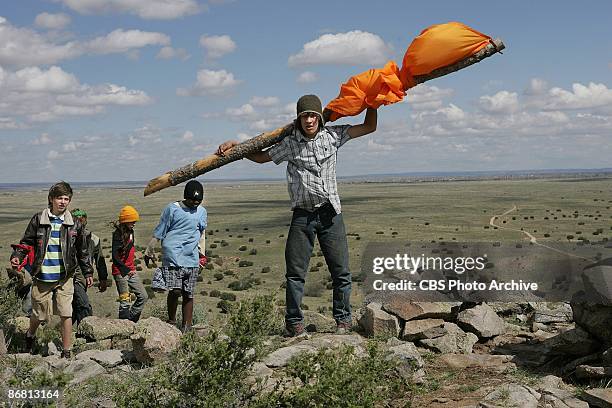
x=124, y=268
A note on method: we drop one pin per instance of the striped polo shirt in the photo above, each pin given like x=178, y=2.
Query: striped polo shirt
x=53, y=264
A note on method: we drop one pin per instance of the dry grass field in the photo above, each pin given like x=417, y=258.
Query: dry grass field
x=248, y=221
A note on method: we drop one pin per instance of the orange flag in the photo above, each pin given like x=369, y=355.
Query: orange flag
x=436, y=47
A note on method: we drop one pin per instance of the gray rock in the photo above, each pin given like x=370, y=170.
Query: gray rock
x=153, y=339
x=377, y=322
x=82, y=370
x=281, y=356
x=16, y=332
x=100, y=328
x=512, y=395
x=410, y=361
x=598, y=397
x=454, y=341
x=423, y=329
x=584, y=372
x=482, y=321
x=573, y=342
x=549, y=312
x=595, y=319
x=106, y=358
x=550, y=381
x=121, y=344
x=408, y=310
x=557, y=398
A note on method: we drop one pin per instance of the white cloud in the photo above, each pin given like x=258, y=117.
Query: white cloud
x=146, y=9
x=424, y=97
x=122, y=41
x=187, y=136
x=210, y=82
x=580, y=97
x=536, y=86
x=243, y=137
x=264, y=101
x=43, y=139
x=21, y=47
x=245, y=111
x=307, y=77
x=43, y=95
x=33, y=79
x=217, y=46
x=52, y=21
x=168, y=52
x=501, y=102
x=147, y=134
x=353, y=47
x=53, y=155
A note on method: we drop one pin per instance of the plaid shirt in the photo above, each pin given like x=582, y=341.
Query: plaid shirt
x=311, y=167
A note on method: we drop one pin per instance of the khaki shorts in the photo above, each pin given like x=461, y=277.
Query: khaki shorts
x=52, y=298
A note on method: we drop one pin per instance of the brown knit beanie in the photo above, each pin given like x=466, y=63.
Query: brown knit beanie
x=310, y=103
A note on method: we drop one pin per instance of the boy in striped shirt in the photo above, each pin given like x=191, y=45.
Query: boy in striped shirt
x=59, y=246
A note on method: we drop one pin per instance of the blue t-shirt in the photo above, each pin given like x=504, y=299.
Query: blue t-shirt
x=179, y=230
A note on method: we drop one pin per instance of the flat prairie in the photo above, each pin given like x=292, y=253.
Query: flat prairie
x=249, y=221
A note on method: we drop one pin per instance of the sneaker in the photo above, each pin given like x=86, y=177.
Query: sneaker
x=67, y=354
x=29, y=343
x=295, y=330
x=343, y=327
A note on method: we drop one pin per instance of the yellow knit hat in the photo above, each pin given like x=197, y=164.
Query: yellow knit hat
x=128, y=214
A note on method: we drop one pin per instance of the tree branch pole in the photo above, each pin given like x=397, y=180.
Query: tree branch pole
x=264, y=140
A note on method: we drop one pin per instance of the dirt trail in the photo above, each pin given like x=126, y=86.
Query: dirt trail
x=532, y=238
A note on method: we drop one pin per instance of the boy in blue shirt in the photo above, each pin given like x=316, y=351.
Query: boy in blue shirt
x=181, y=231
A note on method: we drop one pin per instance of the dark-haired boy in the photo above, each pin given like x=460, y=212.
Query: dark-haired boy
x=181, y=230
x=310, y=151
x=81, y=306
x=59, y=246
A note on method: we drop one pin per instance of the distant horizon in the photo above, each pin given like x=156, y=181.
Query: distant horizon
x=348, y=177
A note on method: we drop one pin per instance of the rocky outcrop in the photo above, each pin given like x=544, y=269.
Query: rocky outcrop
x=153, y=339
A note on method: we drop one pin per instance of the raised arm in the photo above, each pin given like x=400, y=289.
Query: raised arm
x=368, y=126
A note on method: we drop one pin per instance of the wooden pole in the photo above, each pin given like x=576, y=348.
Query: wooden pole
x=264, y=140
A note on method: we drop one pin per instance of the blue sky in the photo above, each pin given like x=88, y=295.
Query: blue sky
x=95, y=90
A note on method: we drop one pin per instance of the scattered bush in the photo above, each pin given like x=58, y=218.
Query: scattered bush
x=218, y=276
x=228, y=296
x=245, y=263
x=244, y=283
x=253, y=251
x=265, y=269
x=215, y=293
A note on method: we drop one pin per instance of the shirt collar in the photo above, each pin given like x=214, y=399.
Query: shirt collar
x=51, y=216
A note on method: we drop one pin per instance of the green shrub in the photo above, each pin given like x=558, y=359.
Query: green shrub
x=228, y=296
x=334, y=378
x=218, y=276
x=245, y=263
x=244, y=283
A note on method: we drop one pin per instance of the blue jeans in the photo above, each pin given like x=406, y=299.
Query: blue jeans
x=328, y=227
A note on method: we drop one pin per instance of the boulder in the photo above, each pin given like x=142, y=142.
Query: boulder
x=573, y=342
x=598, y=397
x=511, y=395
x=377, y=322
x=16, y=332
x=454, y=341
x=482, y=321
x=281, y=356
x=106, y=358
x=82, y=370
x=558, y=398
x=99, y=328
x=550, y=312
x=595, y=319
x=423, y=329
x=584, y=372
x=153, y=339
x=408, y=310
x=410, y=361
